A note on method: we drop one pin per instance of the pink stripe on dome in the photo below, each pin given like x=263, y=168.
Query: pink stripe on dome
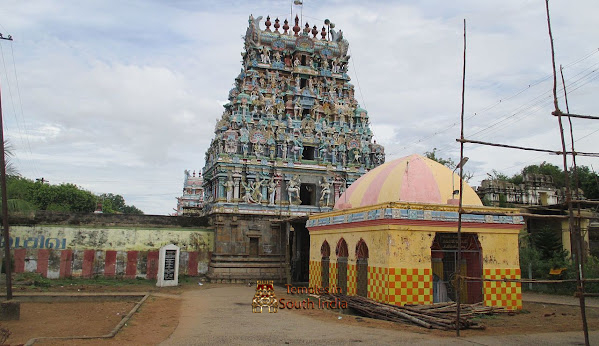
x=419, y=184
x=374, y=190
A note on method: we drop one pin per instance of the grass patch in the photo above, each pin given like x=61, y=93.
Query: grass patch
x=36, y=280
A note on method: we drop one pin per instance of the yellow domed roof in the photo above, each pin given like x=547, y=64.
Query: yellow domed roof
x=412, y=178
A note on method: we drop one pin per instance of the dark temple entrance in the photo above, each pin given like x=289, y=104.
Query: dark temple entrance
x=362, y=268
x=299, y=249
x=325, y=252
x=444, y=255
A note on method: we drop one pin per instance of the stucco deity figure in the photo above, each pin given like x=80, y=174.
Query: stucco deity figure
x=323, y=151
x=277, y=56
x=293, y=190
x=258, y=149
x=265, y=55
x=308, y=125
x=272, y=190
x=296, y=62
x=334, y=155
x=297, y=148
x=297, y=109
x=257, y=190
x=342, y=149
x=247, y=198
x=335, y=66
x=325, y=192
x=356, y=155
x=366, y=153
x=268, y=105
x=229, y=185
x=289, y=105
x=284, y=150
x=280, y=106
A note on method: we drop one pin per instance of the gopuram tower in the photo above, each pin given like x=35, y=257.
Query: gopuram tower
x=291, y=139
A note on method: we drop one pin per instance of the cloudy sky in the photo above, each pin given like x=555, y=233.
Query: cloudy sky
x=122, y=96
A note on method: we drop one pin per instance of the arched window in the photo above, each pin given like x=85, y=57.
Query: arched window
x=325, y=251
x=342, y=254
x=362, y=268
x=341, y=250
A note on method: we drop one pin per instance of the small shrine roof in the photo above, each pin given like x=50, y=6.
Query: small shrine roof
x=412, y=178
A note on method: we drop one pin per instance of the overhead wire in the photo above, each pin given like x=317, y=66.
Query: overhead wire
x=15, y=157
x=536, y=103
x=24, y=139
x=21, y=108
x=501, y=101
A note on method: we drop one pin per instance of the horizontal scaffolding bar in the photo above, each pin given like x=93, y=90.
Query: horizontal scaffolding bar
x=556, y=152
x=570, y=115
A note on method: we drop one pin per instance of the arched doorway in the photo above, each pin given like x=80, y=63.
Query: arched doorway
x=444, y=256
x=342, y=253
x=325, y=252
x=362, y=264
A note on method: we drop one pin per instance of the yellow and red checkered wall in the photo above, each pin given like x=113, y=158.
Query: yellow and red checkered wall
x=352, y=279
x=400, y=286
x=315, y=274
x=410, y=286
x=506, y=294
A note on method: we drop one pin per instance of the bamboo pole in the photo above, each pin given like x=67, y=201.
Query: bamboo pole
x=458, y=266
x=573, y=233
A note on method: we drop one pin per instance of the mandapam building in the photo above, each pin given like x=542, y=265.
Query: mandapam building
x=392, y=237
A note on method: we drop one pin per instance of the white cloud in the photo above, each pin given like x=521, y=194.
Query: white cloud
x=121, y=97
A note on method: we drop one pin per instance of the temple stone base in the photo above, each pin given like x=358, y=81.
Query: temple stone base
x=242, y=269
x=247, y=248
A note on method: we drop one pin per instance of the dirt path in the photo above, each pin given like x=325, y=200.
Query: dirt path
x=212, y=314
x=558, y=299
x=223, y=316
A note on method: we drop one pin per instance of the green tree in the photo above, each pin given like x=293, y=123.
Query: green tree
x=516, y=179
x=549, y=243
x=498, y=175
x=448, y=162
x=113, y=204
x=433, y=156
x=26, y=195
x=588, y=182
x=131, y=209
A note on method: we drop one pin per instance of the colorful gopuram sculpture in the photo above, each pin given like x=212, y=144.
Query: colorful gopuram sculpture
x=291, y=139
x=292, y=111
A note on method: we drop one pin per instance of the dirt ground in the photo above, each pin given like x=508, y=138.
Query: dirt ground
x=158, y=317
x=534, y=318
